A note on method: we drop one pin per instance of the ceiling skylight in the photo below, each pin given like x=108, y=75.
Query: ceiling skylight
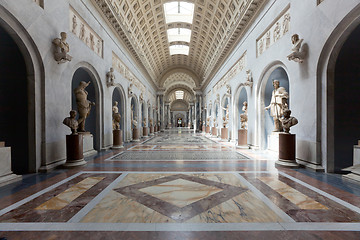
x=179, y=34
x=179, y=12
x=179, y=94
x=179, y=49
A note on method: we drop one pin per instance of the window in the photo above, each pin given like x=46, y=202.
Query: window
x=179, y=12
x=179, y=49
x=179, y=94
x=179, y=34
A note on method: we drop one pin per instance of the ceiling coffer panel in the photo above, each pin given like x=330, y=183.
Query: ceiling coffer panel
x=217, y=26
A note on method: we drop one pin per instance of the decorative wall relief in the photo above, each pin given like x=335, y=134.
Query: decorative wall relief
x=234, y=70
x=84, y=32
x=297, y=55
x=119, y=66
x=61, y=49
x=110, y=77
x=274, y=32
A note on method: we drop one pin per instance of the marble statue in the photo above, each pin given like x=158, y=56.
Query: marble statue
x=151, y=122
x=249, y=76
x=288, y=121
x=208, y=121
x=228, y=89
x=83, y=105
x=296, y=55
x=110, y=76
x=225, y=122
x=144, y=122
x=61, y=49
x=268, y=40
x=244, y=116
x=135, y=122
x=130, y=92
x=71, y=122
x=116, y=116
x=215, y=122
x=278, y=104
x=226, y=112
x=141, y=97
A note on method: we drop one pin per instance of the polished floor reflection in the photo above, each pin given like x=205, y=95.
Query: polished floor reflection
x=181, y=185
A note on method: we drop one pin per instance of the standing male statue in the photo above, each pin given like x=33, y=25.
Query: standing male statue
x=278, y=104
x=83, y=105
x=116, y=116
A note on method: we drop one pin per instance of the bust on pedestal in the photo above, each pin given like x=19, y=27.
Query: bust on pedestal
x=287, y=142
x=145, y=129
x=117, y=132
x=74, y=143
x=6, y=175
x=224, y=130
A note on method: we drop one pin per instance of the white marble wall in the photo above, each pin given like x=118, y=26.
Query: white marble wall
x=314, y=23
x=41, y=26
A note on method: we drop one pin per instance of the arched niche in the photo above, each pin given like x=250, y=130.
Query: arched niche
x=92, y=122
x=346, y=98
x=179, y=120
x=134, y=112
x=14, y=95
x=118, y=96
x=266, y=122
x=243, y=97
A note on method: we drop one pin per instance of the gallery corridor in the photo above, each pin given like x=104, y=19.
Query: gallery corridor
x=180, y=185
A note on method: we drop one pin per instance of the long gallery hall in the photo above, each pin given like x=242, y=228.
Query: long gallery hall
x=179, y=119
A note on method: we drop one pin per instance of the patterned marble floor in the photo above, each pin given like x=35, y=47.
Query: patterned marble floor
x=180, y=185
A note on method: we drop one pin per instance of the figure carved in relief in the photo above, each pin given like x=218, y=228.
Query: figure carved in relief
x=278, y=104
x=286, y=23
x=92, y=42
x=261, y=46
x=98, y=46
x=74, y=24
x=82, y=32
x=268, y=40
x=277, y=31
x=61, y=49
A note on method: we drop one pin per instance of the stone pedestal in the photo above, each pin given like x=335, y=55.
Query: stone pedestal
x=214, y=131
x=287, y=150
x=135, y=135
x=242, y=137
x=74, y=151
x=207, y=129
x=151, y=130
x=224, y=134
x=6, y=175
x=88, y=143
x=273, y=141
x=169, y=125
x=145, y=132
x=355, y=169
x=203, y=128
x=117, y=139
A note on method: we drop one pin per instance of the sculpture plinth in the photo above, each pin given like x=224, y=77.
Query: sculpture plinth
x=207, y=129
x=224, y=134
x=214, y=131
x=135, y=135
x=242, y=137
x=74, y=151
x=145, y=132
x=151, y=130
x=287, y=151
x=117, y=139
x=203, y=128
x=6, y=175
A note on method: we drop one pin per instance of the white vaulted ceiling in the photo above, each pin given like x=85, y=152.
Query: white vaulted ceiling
x=217, y=27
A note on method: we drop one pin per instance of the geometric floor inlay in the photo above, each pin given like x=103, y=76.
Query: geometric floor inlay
x=178, y=211
x=183, y=155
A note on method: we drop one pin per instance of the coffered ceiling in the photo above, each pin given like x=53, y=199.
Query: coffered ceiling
x=217, y=27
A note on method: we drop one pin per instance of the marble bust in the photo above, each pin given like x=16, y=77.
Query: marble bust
x=83, y=105
x=278, y=104
x=71, y=122
x=288, y=121
x=296, y=55
x=61, y=49
x=116, y=116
